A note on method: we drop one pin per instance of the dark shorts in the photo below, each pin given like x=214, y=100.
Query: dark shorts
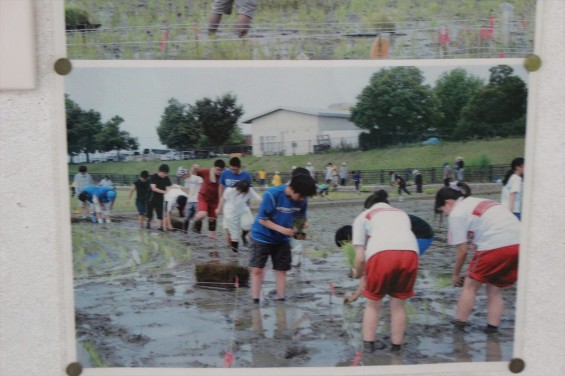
x=141, y=207
x=156, y=205
x=280, y=255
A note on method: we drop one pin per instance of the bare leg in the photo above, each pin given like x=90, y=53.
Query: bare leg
x=214, y=20
x=495, y=305
x=243, y=24
x=397, y=320
x=371, y=320
x=467, y=299
x=281, y=283
x=257, y=275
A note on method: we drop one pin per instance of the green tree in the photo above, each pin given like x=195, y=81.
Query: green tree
x=111, y=137
x=500, y=105
x=454, y=90
x=82, y=128
x=177, y=128
x=396, y=102
x=217, y=118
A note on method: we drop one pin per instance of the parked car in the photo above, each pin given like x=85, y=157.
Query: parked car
x=202, y=154
x=321, y=147
x=187, y=154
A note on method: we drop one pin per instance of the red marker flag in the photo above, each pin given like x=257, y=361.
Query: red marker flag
x=357, y=359
x=164, y=40
x=228, y=359
x=236, y=283
x=524, y=25
x=332, y=289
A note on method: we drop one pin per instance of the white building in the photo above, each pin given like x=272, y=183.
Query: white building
x=297, y=131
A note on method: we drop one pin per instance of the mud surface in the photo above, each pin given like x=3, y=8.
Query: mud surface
x=137, y=304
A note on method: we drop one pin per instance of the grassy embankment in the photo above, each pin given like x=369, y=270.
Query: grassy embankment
x=135, y=28
x=496, y=152
x=420, y=156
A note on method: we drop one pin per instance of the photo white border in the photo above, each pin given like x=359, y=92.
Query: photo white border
x=437, y=369
x=37, y=315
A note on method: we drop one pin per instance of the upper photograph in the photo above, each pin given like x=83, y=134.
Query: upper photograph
x=298, y=29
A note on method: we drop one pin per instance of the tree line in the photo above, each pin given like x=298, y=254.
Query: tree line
x=86, y=133
x=395, y=107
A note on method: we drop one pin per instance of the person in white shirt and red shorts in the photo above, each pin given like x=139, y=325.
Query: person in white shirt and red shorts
x=386, y=259
x=495, y=233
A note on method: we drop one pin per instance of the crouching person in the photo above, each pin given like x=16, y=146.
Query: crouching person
x=386, y=260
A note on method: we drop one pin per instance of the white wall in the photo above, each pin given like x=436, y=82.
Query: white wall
x=36, y=307
x=289, y=126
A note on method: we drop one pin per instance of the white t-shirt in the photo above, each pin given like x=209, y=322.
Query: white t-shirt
x=492, y=224
x=387, y=229
x=513, y=185
x=171, y=196
x=193, y=184
x=235, y=202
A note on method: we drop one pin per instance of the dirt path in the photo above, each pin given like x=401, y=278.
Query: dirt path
x=137, y=305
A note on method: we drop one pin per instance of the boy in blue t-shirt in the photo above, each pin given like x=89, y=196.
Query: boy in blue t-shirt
x=272, y=229
x=101, y=200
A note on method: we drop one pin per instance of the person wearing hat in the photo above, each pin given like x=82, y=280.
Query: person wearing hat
x=459, y=168
x=311, y=170
x=158, y=184
x=418, y=181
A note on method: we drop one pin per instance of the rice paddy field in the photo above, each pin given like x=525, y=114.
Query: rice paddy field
x=304, y=29
x=138, y=304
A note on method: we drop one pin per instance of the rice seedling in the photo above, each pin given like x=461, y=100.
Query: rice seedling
x=349, y=252
x=94, y=356
x=443, y=281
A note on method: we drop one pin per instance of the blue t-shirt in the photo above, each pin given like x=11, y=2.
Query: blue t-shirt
x=90, y=192
x=228, y=178
x=279, y=208
x=102, y=193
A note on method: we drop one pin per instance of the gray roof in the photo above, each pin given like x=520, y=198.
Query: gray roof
x=325, y=112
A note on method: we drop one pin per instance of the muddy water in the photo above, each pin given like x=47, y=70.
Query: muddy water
x=137, y=304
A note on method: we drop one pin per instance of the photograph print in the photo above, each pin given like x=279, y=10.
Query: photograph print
x=167, y=290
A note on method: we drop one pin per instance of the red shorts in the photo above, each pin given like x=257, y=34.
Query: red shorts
x=499, y=266
x=204, y=205
x=391, y=273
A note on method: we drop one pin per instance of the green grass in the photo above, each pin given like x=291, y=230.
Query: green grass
x=420, y=156
x=310, y=17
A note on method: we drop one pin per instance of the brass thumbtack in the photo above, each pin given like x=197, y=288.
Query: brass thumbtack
x=74, y=369
x=63, y=66
x=532, y=63
x=517, y=365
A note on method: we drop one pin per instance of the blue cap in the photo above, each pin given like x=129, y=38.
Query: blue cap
x=111, y=195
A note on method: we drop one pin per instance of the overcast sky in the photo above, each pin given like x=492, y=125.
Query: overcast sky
x=139, y=91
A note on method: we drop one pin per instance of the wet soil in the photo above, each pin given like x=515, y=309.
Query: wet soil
x=137, y=303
